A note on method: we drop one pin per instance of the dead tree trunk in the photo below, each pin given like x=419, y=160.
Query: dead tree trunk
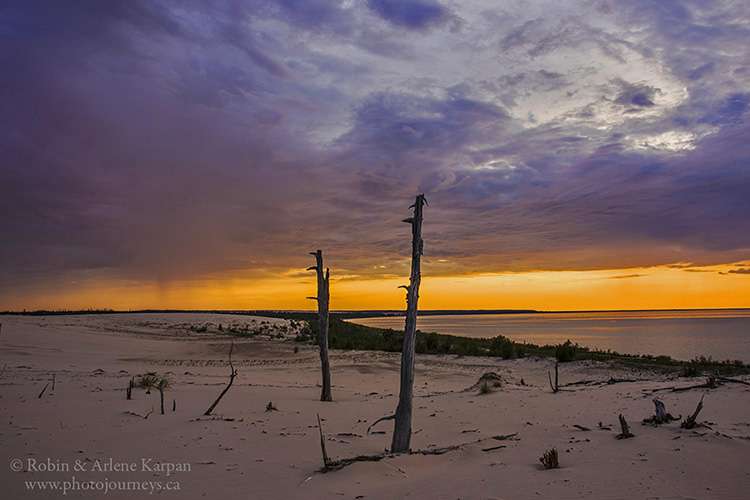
x=231, y=379
x=402, y=427
x=323, y=298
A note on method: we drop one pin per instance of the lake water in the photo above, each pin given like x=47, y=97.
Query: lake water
x=721, y=334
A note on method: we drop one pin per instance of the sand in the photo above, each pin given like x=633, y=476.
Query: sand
x=86, y=439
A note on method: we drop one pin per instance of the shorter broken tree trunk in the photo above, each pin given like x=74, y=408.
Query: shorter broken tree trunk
x=625, y=429
x=689, y=423
x=161, y=394
x=550, y=459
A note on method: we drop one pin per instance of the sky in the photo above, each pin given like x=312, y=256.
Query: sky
x=575, y=155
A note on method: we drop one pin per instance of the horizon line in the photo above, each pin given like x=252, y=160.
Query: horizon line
x=358, y=311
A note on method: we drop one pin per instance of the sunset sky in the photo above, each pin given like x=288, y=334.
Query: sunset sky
x=184, y=154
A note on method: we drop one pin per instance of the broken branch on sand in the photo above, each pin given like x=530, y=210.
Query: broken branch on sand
x=231, y=379
x=556, y=387
x=689, y=423
x=333, y=465
x=711, y=383
x=326, y=460
x=389, y=417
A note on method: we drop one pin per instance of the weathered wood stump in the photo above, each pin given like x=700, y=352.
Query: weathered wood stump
x=690, y=422
x=625, y=429
x=661, y=417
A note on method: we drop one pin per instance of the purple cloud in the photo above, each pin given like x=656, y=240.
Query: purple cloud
x=153, y=141
x=412, y=14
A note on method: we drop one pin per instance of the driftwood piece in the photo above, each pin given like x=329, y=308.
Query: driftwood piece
x=711, y=383
x=734, y=380
x=625, y=429
x=550, y=459
x=45, y=388
x=231, y=379
x=661, y=417
x=609, y=381
x=334, y=465
x=129, y=391
x=556, y=387
x=128, y=412
x=689, y=422
x=581, y=427
x=493, y=448
x=403, y=416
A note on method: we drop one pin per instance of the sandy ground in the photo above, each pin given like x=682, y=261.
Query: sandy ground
x=86, y=439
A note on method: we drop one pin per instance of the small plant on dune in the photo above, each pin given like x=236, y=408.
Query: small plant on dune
x=550, y=459
x=485, y=388
x=152, y=381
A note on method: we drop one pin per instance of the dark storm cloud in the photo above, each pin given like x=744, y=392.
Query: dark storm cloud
x=161, y=141
x=636, y=95
x=412, y=14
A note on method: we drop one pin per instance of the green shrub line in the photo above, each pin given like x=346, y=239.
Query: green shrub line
x=352, y=336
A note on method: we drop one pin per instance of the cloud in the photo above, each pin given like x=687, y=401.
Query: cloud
x=738, y=271
x=412, y=14
x=637, y=95
x=171, y=141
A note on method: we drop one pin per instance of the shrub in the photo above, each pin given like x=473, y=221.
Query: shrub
x=566, y=351
x=502, y=347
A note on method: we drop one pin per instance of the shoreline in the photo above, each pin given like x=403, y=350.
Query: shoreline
x=371, y=313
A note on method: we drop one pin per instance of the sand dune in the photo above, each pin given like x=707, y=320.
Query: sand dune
x=245, y=451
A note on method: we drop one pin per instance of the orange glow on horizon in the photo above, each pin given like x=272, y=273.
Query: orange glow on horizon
x=649, y=288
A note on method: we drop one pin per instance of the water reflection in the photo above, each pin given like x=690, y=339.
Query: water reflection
x=721, y=334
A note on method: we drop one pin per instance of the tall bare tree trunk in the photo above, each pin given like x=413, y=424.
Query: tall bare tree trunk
x=323, y=298
x=402, y=428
